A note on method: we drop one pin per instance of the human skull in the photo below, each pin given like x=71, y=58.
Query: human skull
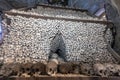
x=51, y=67
x=16, y=69
x=100, y=69
x=65, y=68
x=110, y=69
x=26, y=69
x=6, y=70
x=38, y=69
x=86, y=68
x=117, y=67
x=75, y=67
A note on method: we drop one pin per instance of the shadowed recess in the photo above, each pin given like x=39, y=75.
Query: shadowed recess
x=58, y=46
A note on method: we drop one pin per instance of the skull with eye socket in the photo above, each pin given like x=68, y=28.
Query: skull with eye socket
x=117, y=68
x=65, y=68
x=16, y=69
x=110, y=69
x=86, y=69
x=76, y=67
x=26, y=69
x=52, y=67
x=38, y=69
x=100, y=70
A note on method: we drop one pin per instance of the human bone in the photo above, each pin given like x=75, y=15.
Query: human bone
x=100, y=69
x=86, y=68
x=26, y=68
x=16, y=69
x=52, y=67
x=117, y=67
x=83, y=42
x=31, y=38
x=38, y=69
x=65, y=68
x=110, y=69
x=6, y=69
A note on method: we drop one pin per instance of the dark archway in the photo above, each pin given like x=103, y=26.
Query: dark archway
x=57, y=47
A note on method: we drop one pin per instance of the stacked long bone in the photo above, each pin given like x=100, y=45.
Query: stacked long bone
x=30, y=39
x=62, y=13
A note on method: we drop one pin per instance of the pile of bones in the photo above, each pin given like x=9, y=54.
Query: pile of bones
x=35, y=47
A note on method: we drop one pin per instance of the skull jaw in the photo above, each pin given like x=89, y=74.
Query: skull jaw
x=17, y=74
x=86, y=72
x=103, y=74
x=37, y=74
x=25, y=75
x=76, y=71
x=52, y=73
x=52, y=68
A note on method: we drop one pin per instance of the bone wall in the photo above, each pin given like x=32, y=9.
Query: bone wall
x=29, y=40
x=61, y=13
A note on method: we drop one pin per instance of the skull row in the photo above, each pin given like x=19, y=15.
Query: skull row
x=23, y=70
x=106, y=69
x=53, y=67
